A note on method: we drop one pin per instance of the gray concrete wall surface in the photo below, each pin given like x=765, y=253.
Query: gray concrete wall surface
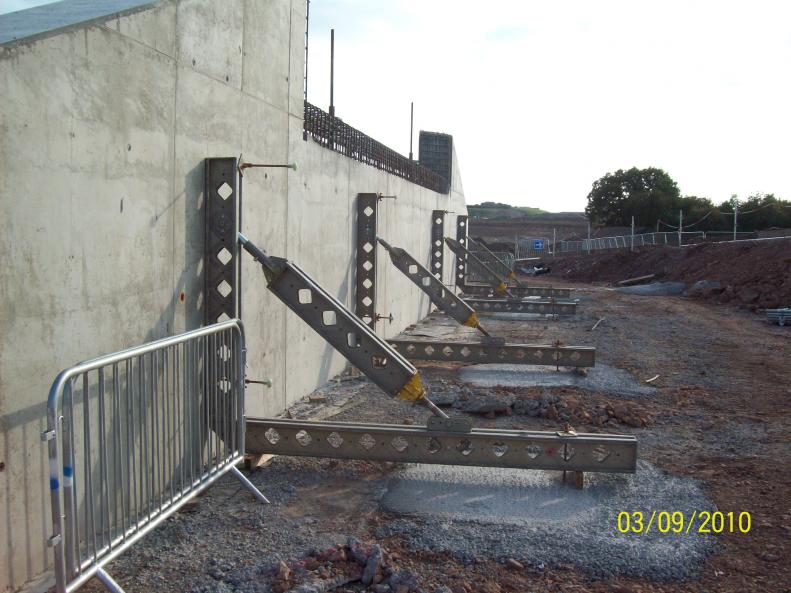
x=103, y=131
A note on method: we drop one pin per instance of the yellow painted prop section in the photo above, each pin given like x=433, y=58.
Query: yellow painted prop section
x=413, y=390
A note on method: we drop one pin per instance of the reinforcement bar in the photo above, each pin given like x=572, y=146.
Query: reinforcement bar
x=498, y=282
x=551, y=307
x=440, y=295
x=531, y=354
x=442, y=444
x=486, y=291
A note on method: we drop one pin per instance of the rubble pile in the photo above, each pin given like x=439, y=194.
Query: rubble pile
x=571, y=409
x=751, y=275
x=557, y=405
x=353, y=563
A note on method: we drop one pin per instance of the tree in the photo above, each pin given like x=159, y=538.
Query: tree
x=759, y=211
x=647, y=194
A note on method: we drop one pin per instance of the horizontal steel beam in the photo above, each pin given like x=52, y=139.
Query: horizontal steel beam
x=484, y=290
x=483, y=447
x=567, y=356
x=550, y=307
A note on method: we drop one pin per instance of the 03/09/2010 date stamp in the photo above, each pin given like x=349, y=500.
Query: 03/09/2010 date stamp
x=639, y=522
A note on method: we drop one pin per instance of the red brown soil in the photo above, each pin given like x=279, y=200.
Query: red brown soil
x=563, y=227
x=753, y=275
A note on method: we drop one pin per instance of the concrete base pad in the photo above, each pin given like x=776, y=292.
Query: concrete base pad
x=493, y=495
x=655, y=289
x=602, y=377
x=489, y=513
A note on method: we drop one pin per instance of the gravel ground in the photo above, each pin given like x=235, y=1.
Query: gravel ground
x=715, y=434
x=476, y=513
x=227, y=542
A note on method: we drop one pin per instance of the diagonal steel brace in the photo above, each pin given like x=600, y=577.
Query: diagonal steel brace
x=498, y=282
x=328, y=317
x=440, y=295
x=497, y=264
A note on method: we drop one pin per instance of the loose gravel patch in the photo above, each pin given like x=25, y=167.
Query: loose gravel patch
x=485, y=513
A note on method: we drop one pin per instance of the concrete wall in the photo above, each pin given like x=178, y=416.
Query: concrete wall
x=103, y=132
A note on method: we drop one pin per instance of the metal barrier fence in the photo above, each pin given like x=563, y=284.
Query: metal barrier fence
x=333, y=133
x=134, y=435
x=628, y=241
x=529, y=247
x=490, y=258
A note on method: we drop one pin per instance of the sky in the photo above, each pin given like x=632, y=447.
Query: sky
x=543, y=98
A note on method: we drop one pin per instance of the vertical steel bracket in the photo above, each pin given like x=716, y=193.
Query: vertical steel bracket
x=490, y=276
x=365, y=295
x=461, y=260
x=437, y=243
x=220, y=251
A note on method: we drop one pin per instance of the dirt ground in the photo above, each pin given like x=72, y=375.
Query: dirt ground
x=568, y=227
x=753, y=275
x=720, y=416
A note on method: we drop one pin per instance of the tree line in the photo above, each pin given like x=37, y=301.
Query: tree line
x=653, y=198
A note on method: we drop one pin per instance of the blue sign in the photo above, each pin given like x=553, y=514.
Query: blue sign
x=538, y=244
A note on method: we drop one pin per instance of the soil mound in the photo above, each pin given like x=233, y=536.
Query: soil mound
x=754, y=275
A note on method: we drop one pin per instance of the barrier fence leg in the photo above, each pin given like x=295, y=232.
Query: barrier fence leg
x=108, y=581
x=249, y=485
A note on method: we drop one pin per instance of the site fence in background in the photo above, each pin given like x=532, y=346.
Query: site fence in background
x=629, y=241
x=533, y=247
x=331, y=132
x=134, y=435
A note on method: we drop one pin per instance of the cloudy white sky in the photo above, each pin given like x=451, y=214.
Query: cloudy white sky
x=542, y=98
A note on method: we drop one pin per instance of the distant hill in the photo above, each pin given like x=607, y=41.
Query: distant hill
x=497, y=211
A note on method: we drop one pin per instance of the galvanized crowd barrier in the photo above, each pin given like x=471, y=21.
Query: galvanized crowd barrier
x=629, y=241
x=780, y=316
x=133, y=436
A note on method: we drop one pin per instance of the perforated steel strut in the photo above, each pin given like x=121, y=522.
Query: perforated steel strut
x=484, y=291
x=328, y=317
x=439, y=294
x=491, y=277
x=445, y=442
x=497, y=264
